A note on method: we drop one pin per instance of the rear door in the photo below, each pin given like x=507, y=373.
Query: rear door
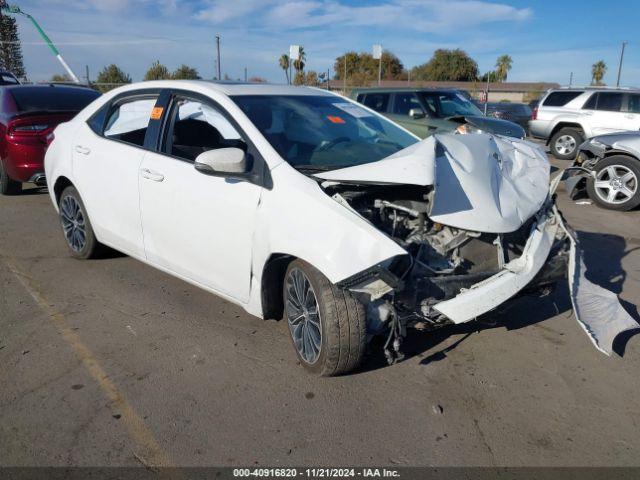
x=607, y=116
x=632, y=111
x=107, y=154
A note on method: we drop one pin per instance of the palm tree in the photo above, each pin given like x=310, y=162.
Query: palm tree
x=299, y=63
x=503, y=65
x=598, y=70
x=284, y=64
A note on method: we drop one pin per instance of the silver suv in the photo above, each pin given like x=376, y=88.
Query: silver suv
x=566, y=117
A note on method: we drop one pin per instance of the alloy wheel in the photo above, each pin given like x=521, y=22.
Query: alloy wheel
x=73, y=223
x=615, y=184
x=565, y=145
x=303, y=316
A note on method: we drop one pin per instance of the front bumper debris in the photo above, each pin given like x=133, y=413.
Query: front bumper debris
x=597, y=310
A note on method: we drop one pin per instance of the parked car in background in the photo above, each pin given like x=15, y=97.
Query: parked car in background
x=612, y=164
x=566, y=117
x=8, y=78
x=297, y=203
x=28, y=115
x=427, y=111
x=514, y=112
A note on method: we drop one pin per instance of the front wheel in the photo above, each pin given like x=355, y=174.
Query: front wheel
x=76, y=226
x=327, y=324
x=564, y=144
x=615, y=185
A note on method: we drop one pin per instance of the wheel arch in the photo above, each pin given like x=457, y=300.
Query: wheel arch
x=565, y=124
x=271, y=285
x=60, y=184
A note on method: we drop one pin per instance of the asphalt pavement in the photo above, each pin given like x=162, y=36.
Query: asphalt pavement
x=111, y=362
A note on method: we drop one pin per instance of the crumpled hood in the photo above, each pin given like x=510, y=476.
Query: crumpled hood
x=481, y=182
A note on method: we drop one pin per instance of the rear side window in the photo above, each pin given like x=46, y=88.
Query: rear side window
x=377, y=101
x=609, y=101
x=560, y=98
x=634, y=103
x=52, y=99
x=129, y=119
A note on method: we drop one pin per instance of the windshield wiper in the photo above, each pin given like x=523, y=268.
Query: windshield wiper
x=313, y=168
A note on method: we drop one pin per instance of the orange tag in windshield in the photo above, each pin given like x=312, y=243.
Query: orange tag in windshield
x=334, y=119
x=156, y=113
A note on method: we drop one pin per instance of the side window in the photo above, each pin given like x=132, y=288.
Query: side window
x=633, y=105
x=560, y=98
x=129, y=119
x=197, y=127
x=404, y=102
x=609, y=101
x=377, y=101
x=591, y=103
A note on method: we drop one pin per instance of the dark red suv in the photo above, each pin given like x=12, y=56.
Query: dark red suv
x=28, y=115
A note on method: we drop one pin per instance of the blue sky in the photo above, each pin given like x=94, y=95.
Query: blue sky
x=546, y=39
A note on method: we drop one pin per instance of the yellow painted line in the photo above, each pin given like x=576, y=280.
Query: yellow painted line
x=152, y=453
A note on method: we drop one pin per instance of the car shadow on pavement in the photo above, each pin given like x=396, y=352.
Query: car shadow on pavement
x=603, y=254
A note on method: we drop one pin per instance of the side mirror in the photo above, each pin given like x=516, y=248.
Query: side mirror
x=416, y=113
x=222, y=160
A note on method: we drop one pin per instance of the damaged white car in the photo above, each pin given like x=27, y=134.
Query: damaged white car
x=298, y=203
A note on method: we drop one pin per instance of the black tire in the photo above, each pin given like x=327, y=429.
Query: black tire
x=621, y=164
x=90, y=247
x=7, y=185
x=559, y=145
x=342, y=319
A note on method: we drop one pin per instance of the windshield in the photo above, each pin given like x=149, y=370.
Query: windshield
x=323, y=132
x=448, y=104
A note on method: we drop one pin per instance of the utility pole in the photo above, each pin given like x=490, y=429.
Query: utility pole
x=86, y=71
x=328, y=79
x=245, y=74
x=377, y=55
x=620, y=64
x=409, y=78
x=571, y=79
x=218, y=50
x=486, y=100
x=16, y=10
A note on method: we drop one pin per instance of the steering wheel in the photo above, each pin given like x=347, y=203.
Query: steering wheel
x=323, y=147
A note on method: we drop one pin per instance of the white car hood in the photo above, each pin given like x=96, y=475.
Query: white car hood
x=481, y=182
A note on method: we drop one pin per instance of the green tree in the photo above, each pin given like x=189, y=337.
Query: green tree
x=306, y=78
x=447, y=65
x=185, y=72
x=362, y=68
x=157, y=71
x=10, y=48
x=285, y=63
x=111, y=77
x=300, y=62
x=598, y=70
x=503, y=65
x=64, y=78
x=492, y=75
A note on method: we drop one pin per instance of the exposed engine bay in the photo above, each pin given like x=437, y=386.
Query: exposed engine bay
x=442, y=260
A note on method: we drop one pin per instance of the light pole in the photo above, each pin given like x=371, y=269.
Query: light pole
x=620, y=64
x=218, y=50
x=14, y=9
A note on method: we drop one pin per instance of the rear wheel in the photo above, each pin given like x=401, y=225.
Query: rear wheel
x=7, y=185
x=327, y=324
x=615, y=186
x=564, y=144
x=76, y=226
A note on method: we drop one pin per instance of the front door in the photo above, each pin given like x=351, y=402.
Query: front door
x=197, y=225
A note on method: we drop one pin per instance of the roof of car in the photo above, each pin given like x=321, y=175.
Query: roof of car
x=231, y=88
x=593, y=87
x=43, y=86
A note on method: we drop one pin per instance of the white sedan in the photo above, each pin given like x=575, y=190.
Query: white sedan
x=298, y=203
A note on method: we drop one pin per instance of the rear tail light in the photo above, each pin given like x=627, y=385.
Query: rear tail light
x=29, y=129
x=534, y=114
x=21, y=129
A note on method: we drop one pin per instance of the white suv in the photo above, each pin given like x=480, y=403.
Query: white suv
x=566, y=117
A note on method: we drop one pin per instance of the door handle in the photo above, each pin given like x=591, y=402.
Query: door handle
x=83, y=150
x=151, y=175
